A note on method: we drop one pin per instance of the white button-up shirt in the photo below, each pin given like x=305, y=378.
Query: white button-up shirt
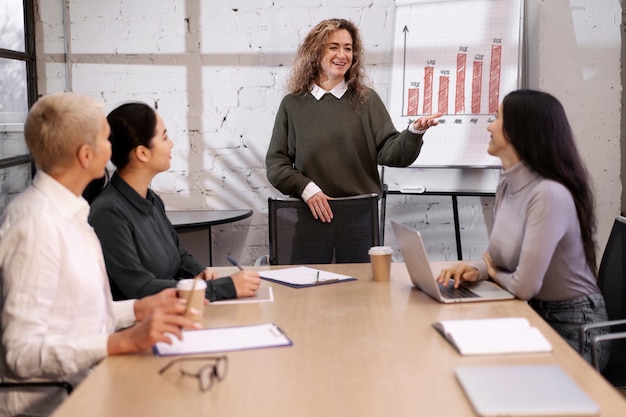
x=56, y=305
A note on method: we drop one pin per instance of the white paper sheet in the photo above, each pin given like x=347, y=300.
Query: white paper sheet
x=303, y=276
x=224, y=339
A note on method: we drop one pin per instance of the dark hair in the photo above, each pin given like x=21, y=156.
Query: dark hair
x=132, y=125
x=535, y=124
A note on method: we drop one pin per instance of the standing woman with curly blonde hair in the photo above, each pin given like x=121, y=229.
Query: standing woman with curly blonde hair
x=332, y=131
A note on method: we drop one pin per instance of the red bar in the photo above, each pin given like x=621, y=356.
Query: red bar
x=477, y=83
x=494, y=78
x=444, y=82
x=459, y=100
x=414, y=96
x=428, y=90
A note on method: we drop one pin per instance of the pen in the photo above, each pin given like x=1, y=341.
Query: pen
x=326, y=281
x=234, y=262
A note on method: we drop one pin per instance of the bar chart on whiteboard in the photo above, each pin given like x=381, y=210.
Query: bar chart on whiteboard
x=459, y=58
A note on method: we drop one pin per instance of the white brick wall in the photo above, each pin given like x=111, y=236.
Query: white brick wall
x=216, y=71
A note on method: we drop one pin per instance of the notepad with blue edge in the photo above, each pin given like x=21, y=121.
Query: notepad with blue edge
x=303, y=277
x=224, y=339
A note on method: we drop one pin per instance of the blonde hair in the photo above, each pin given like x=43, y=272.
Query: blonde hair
x=58, y=124
x=306, y=68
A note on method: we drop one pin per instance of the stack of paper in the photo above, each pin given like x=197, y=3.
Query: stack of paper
x=493, y=336
x=303, y=276
x=224, y=339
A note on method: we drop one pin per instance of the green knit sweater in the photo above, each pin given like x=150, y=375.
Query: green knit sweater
x=335, y=146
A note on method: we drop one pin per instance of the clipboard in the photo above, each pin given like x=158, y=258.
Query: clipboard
x=224, y=339
x=303, y=277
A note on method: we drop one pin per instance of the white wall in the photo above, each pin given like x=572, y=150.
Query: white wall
x=574, y=53
x=216, y=71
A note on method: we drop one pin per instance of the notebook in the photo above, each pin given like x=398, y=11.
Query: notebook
x=524, y=390
x=424, y=276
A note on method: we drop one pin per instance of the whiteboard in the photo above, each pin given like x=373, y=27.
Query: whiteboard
x=459, y=58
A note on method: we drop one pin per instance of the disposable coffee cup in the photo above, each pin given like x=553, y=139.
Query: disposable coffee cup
x=380, y=258
x=195, y=299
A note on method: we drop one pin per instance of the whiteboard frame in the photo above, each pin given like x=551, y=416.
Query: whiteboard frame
x=402, y=120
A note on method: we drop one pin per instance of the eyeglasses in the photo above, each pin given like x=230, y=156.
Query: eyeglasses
x=213, y=371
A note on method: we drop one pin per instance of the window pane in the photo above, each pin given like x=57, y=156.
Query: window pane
x=13, y=86
x=12, y=141
x=12, y=25
x=13, y=180
x=13, y=108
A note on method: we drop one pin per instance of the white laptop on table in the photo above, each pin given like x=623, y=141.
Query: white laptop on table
x=424, y=276
x=524, y=390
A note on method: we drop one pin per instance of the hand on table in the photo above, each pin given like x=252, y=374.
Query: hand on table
x=207, y=274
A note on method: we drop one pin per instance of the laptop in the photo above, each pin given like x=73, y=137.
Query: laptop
x=424, y=276
x=524, y=390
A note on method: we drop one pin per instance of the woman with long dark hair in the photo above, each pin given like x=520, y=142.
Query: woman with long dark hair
x=541, y=246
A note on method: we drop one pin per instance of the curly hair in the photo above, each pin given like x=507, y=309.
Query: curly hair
x=306, y=68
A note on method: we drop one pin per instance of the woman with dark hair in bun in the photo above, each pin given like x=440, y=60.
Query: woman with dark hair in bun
x=142, y=251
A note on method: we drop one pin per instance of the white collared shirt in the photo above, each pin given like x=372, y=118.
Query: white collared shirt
x=57, y=310
x=338, y=91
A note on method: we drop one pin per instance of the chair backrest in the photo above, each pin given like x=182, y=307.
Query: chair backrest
x=611, y=275
x=612, y=283
x=295, y=237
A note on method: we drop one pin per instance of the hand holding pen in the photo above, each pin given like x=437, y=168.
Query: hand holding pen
x=246, y=282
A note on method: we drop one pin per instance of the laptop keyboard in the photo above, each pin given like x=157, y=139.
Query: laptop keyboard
x=461, y=292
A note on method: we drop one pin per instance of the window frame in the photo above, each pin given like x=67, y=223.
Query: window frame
x=29, y=57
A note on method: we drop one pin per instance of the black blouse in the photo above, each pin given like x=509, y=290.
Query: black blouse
x=142, y=251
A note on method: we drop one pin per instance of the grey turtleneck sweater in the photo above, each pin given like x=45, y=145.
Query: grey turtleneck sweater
x=536, y=239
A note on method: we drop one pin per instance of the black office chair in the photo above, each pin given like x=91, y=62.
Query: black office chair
x=296, y=238
x=612, y=283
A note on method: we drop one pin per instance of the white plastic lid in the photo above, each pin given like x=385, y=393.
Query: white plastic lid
x=380, y=250
x=187, y=284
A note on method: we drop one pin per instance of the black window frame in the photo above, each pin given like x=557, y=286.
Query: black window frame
x=29, y=57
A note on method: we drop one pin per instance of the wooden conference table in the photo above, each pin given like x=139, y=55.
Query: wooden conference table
x=190, y=220
x=360, y=348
